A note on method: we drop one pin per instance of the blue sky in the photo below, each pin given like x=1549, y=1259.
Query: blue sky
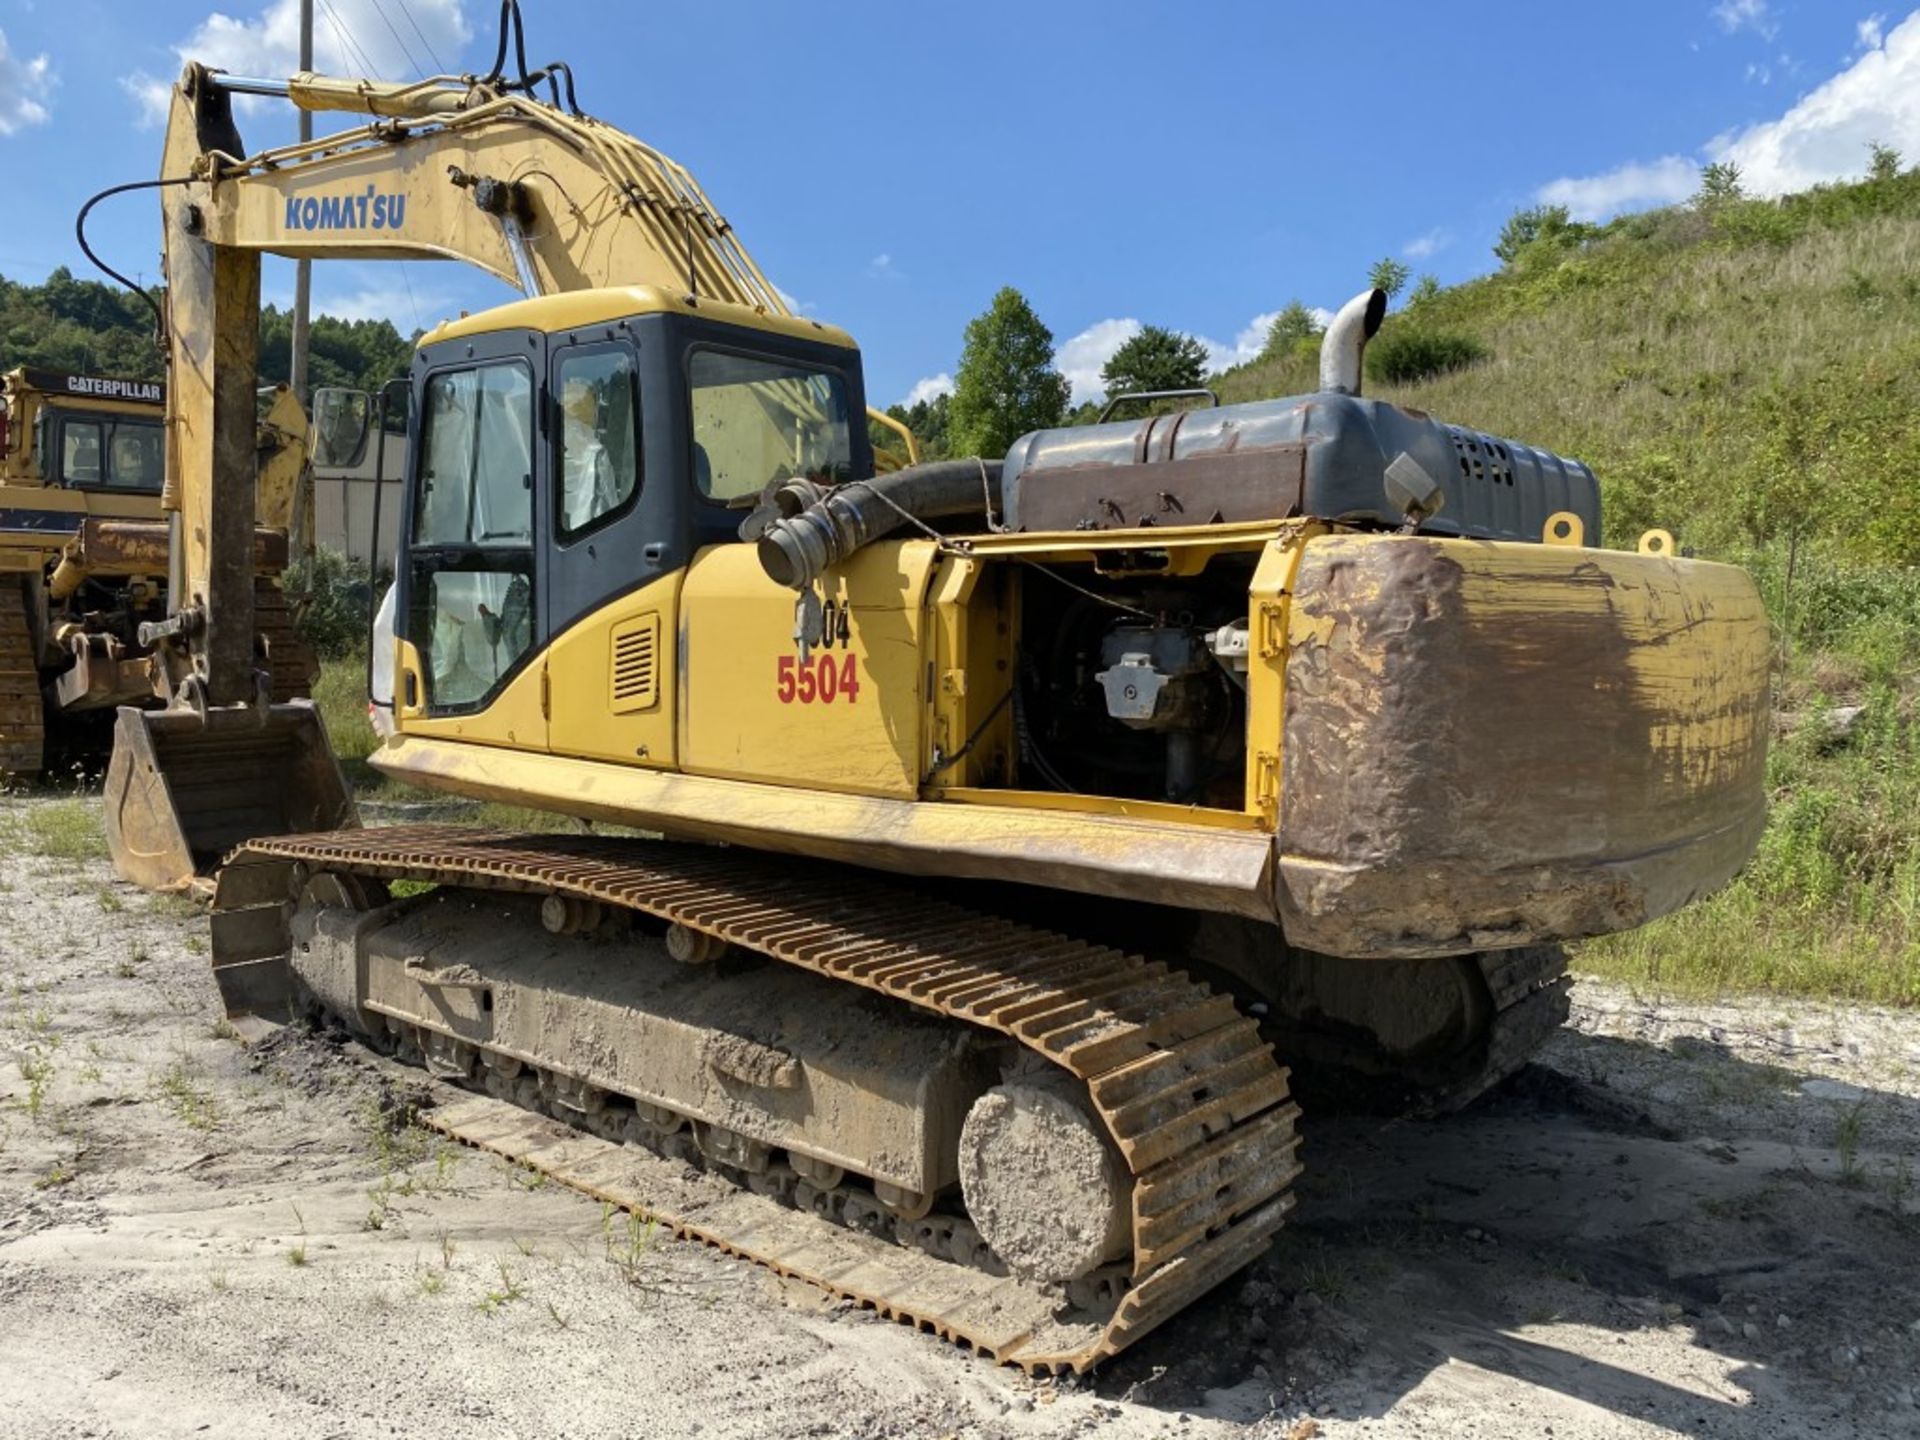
x=890, y=166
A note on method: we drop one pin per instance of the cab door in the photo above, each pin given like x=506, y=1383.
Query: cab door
x=612, y=584
x=471, y=659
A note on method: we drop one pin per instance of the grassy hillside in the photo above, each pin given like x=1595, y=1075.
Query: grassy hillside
x=1749, y=377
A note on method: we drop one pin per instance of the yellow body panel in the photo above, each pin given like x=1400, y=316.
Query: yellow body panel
x=517, y=717
x=598, y=718
x=737, y=634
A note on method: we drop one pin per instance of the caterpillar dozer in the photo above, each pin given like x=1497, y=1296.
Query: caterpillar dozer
x=1018, y=817
x=83, y=556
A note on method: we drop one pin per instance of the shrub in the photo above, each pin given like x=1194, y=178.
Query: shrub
x=1406, y=356
x=328, y=595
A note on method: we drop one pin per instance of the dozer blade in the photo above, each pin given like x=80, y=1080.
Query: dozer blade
x=184, y=788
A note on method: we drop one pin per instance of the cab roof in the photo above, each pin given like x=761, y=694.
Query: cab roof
x=578, y=309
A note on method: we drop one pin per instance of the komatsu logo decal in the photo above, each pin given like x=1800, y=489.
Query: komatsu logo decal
x=368, y=210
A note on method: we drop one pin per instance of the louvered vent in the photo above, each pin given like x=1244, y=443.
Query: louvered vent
x=636, y=663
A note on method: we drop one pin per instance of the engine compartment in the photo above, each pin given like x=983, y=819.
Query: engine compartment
x=1133, y=687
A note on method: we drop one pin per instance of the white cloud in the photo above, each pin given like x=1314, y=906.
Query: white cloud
x=25, y=86
x=1431, y=243
x=408, y=308
x=1826, y=133
x=1754, y=15
x=1251, y=340
x=1871, y=32
x=881, y=267
x=350, y=37
x=1633, y=186
x=929, y=389
x=1083, y=357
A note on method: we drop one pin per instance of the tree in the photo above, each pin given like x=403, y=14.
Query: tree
x=1719, y=183
x=1289, y=328
x=927, y=419
x=1155, y=359
x=1388, y=275
x=1884, y=163
x=1006, y=384
x=1424, y=290
x=1523, y=227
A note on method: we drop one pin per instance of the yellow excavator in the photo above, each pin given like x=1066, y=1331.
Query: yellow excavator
x=1018, y=812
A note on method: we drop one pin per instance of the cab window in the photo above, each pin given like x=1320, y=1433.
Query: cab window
x=472, y=583
x=599, y=437
x=757, y=420
x=115, y=454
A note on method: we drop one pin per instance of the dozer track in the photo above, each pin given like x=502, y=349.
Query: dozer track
x=1190, y=1095
x=291, y=662
x=22, y=715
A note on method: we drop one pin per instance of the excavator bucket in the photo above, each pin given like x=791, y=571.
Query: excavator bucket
x=185, y=788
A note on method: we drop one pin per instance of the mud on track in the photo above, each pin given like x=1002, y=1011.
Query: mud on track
x=1685, y=1220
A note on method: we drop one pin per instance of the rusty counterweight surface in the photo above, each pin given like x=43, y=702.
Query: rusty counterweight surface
x=1487, y=744
x=1192, y=1098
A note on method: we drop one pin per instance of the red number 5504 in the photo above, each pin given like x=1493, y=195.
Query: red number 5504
x=819, y=677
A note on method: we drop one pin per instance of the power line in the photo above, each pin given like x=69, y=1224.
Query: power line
x=349, y=47
x=439, y=64
x=384, y=20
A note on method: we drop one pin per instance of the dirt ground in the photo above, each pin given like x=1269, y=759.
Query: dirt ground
x=1693, y=1220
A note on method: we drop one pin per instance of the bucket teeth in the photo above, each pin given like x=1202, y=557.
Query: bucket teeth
x=1192, y=1100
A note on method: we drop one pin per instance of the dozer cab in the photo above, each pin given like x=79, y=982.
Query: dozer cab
x=1025, y=818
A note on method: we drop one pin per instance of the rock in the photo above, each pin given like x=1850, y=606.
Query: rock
x=1750, y=1330
x=1721, y=1325
x=1671, y=1311
x=1783, y=1322
x=1817, y=1089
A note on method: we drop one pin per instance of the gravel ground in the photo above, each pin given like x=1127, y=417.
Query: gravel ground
x=1685, y=1219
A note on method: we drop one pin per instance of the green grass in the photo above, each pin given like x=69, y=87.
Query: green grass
x=68, y=830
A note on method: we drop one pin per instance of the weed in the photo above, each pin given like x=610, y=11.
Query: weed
x=220, y=1281
x=559, y=1320
x=192, y=1103
x=222, y=1029
x=61, y=1172
x=1846, y=1142
x=510, y=1289
x=526, y=1177
x=297, y=1253
x=446, y=1251
x=524, y=1246
x=432, y=1282
x=110, y=902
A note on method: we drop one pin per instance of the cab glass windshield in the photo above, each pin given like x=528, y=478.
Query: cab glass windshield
x=112, y=452
x=757, y=420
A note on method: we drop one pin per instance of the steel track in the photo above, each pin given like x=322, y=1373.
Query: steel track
x=22, y=716
x=1190, y=1095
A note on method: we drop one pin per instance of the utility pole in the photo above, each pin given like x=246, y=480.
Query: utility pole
x=302, y=269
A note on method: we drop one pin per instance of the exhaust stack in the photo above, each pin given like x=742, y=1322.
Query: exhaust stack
x=1346, y=341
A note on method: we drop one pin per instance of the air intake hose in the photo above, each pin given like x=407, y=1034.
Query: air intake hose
x=794, y=549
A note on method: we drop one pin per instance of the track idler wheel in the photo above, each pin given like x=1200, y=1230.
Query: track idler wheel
x=1042, y=1183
